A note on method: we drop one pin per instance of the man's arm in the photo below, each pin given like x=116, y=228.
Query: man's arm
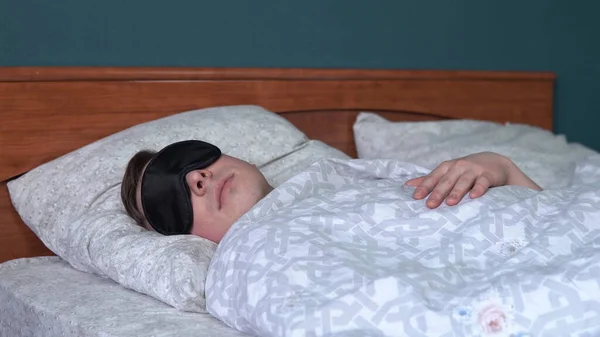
x=473, y=174
x=516, y=177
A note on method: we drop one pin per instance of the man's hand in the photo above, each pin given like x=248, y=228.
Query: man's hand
x=475, y=174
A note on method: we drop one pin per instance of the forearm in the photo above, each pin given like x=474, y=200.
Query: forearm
x=516, y=177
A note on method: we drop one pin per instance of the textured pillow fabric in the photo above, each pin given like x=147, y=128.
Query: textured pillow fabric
x=547, y=158
x=73, y=202
x=288, y=166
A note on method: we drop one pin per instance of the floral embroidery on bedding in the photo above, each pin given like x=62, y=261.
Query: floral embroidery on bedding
x=487, y=316
x=508, y=248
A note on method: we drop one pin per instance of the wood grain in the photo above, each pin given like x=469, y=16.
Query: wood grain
x=29, y=74
x=16, y=239
x=47, y=112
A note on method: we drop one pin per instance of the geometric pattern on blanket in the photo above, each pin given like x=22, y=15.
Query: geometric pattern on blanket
x=343, y=249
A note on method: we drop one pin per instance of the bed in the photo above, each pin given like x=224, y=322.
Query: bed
x=46, y=112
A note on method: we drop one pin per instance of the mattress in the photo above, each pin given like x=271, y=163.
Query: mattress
x=44, y=296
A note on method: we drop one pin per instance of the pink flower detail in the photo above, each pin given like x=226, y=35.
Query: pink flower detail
x=492, y=319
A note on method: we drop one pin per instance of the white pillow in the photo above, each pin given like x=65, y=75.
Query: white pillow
x=310, y=152
x=73, y=203
x=547, y=158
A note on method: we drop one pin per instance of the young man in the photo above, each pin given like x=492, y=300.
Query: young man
x=190, y=187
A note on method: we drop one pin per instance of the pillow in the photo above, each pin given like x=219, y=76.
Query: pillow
x=280, y=170
x=547, y=158
x=73, y=202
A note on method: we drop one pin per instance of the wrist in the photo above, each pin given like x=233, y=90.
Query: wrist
x=509, y=168
x=513, y=173
x=516, y=177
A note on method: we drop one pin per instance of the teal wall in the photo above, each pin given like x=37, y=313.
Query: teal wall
x=548, y=35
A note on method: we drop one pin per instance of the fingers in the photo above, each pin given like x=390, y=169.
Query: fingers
x=482, y=184
x=450, y=187
x=463, y=185
x=450, y=183
x=415, y=181
x=443, y=188
x=428, y=182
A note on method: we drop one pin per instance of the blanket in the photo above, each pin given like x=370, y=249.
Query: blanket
x=342, y=249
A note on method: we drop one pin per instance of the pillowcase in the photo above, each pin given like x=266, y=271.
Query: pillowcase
x=546, y=158
x=280, y=170
x=73, y=203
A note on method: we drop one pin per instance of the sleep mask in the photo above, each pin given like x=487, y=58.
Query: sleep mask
x=165, y=193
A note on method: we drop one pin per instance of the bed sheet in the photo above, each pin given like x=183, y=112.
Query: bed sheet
x=44, y=296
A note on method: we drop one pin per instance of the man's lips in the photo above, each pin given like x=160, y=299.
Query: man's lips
x=221, y=190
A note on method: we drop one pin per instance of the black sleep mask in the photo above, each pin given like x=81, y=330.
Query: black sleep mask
x=165, y=193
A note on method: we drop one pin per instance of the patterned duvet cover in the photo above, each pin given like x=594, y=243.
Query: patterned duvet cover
x=343, y=249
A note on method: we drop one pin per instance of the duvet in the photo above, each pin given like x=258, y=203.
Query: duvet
x=343, y=249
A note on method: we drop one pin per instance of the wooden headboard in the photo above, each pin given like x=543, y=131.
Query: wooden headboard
x=46, y=112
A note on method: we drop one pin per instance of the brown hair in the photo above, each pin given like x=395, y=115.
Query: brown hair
x=131, y=178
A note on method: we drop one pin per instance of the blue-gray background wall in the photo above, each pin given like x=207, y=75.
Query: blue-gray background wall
x=547, y=35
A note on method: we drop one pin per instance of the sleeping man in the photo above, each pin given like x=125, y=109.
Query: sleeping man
x=381, y=247
x=190, y=187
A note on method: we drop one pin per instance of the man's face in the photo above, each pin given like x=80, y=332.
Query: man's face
x=220, y=194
